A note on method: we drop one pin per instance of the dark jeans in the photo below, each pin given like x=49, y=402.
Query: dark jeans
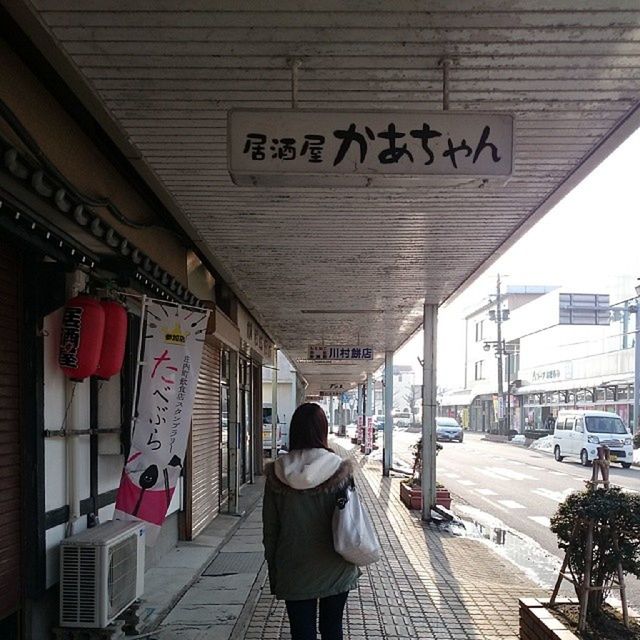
x=302, y=617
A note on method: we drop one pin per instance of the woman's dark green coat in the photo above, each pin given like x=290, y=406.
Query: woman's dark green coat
x=298, y=541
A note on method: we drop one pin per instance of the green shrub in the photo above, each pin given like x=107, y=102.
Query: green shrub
x=636, y=440
x=616, y=516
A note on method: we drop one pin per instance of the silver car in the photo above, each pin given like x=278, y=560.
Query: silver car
x=448, y=430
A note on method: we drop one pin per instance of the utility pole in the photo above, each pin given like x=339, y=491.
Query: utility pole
x=499, y=354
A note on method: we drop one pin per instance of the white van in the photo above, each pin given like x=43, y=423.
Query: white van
x=579, y=433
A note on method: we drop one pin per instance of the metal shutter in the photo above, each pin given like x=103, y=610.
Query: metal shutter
x=10, y=441
x=203, y=477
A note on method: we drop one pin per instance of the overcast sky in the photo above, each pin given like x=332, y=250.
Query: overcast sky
x=590, y=237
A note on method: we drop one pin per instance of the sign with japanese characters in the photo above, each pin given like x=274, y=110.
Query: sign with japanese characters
x=404, y=143
x=333, y=389
x=172, y=352
x=343, y=353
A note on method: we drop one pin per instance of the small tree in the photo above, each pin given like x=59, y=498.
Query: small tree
x=616, y=538
x=416, y=475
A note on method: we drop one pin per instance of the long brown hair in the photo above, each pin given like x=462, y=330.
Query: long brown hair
x=309, y=428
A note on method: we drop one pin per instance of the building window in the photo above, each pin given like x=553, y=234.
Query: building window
x=479, y=330
x=584, y=308
x=478, y=370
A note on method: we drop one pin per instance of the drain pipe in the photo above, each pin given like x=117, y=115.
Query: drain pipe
x=74, y=393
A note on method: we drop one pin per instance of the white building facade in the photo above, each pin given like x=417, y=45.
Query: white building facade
x=550, y=361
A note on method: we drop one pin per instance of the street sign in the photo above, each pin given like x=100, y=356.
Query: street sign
x=344, y=353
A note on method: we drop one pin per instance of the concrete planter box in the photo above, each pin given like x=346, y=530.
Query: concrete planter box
x=412, y=496
x=537, y=622
x=495, y=438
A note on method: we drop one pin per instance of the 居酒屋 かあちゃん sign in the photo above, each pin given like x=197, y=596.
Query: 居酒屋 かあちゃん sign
x=267, y=146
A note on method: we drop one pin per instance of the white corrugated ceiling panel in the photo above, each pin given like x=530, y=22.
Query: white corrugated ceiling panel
x=168, y=71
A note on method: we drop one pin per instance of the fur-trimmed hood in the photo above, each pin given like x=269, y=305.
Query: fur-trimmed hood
x=308, y=470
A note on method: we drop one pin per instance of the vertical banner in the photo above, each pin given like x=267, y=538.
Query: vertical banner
x=171, y=354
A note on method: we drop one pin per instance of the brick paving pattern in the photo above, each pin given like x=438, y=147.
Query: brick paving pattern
x=429, y=583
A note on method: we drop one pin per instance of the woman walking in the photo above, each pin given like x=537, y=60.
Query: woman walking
x=299, y=500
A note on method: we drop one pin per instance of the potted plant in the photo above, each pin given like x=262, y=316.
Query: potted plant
x=411, y=488
x=603, y=526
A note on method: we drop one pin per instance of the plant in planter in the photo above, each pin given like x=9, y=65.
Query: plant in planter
x=411, y=488
x=599, y=529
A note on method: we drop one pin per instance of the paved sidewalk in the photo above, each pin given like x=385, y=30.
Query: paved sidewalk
x=429, y=584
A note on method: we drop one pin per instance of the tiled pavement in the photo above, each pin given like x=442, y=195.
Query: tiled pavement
x=429, y=584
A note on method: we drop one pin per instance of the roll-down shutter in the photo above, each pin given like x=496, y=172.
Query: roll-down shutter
x=204, y=486
x=10, y=447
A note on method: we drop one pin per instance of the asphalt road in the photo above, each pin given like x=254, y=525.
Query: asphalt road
x=498, y=484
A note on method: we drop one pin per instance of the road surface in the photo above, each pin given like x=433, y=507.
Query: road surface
x=516, y=486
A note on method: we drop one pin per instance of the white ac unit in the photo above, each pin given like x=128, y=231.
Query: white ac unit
x=101, y=573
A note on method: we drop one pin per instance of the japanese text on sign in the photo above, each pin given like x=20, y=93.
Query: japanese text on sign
x=340, y=353
x=403, y=143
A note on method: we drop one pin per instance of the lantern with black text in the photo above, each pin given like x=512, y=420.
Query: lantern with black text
x=115, y=338
x=81, y=337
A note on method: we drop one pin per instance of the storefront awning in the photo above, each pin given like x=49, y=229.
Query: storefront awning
x=457, y=398
x=579, y=383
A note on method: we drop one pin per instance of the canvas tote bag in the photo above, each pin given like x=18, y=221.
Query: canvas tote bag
x=354, y=537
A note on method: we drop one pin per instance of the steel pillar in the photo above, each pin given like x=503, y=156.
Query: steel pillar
x=429, y=410
x=387, y=450
x=234, y=435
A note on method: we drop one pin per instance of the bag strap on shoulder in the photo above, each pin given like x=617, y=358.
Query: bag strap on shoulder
x=342, y=496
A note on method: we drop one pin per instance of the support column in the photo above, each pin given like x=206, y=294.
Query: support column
x=234, y=435
x=331, y=421
x=368, y=416
x=635, y=423
x=387, y=451
x=274, y=406
x=429, y=410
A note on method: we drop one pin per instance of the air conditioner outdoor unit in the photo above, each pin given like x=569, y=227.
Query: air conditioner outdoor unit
x=101, y=573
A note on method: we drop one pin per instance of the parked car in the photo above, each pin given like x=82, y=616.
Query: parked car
x=448, y=430
x=580, y=433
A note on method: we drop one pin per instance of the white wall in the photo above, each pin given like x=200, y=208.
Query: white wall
x=110, y=459
x=286, y=388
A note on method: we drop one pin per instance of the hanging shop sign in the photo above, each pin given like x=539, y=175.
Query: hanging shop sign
x=172, y=346
x=265, y=146
x=340, y=353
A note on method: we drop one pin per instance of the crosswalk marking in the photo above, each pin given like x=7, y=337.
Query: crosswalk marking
x=449, y=474
x=556, y=496
x=511, y=504
x=559, y=473
x=543, y=520
x=501, y=472
x=486, y=492
x=467, y=483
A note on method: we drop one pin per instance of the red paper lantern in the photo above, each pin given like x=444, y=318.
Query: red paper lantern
x=114, y=342
x=81, y=337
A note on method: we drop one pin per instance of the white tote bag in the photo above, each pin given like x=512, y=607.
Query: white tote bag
x=354, y=537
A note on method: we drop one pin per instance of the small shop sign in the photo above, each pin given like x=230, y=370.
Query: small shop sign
x=340, y=353
x=374, y=143
x=333, y=389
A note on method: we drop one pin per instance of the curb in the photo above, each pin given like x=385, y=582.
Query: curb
x=244, y=619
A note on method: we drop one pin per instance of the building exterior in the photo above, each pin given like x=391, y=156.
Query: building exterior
x=64, y=443
x=551, y=361
x=290, y=388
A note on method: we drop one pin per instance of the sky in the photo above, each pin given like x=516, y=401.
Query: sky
x=588, y=238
